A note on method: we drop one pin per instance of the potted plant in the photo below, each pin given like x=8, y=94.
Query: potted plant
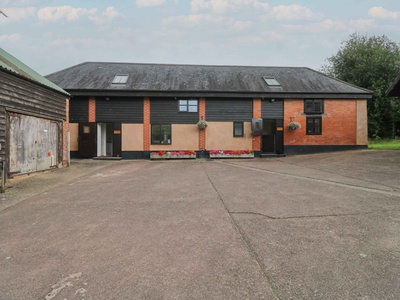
x=191, y=154
x=202, y=124
x=294, y=126
x=231, y=154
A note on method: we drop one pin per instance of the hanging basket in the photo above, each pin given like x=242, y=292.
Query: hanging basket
x=294, y=126
x=202, y=125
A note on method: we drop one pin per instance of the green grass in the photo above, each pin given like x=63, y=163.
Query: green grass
x=384, y=144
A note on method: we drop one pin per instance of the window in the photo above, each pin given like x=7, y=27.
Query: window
x=314, y=125
x=271, y=81
x=237, y=129
x=161, y=134
x=188, y=105
x=314, y=106
x=120, y=79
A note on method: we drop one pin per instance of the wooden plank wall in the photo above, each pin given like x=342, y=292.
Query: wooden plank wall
x=24, y=96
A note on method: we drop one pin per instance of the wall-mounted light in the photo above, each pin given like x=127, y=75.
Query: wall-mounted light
x=272, y=100
x=107, y=99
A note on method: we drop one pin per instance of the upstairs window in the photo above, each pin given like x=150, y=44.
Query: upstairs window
x=188, y=106
x=120, y=79
x=314, y=106
x=271, y=81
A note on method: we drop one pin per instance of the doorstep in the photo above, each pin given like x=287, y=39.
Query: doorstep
x=268, y=155
x=106, y=158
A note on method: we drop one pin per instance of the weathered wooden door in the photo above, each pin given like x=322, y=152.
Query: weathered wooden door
x=87, y=140
x=34, y=143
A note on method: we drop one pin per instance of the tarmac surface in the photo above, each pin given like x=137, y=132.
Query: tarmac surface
x=323, y=226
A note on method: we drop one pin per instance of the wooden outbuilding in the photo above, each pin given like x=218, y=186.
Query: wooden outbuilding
x=33, y=119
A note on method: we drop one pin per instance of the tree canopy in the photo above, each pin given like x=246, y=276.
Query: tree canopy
x=372, y=63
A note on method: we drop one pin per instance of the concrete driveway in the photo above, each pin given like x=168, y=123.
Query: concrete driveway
x=323, y=226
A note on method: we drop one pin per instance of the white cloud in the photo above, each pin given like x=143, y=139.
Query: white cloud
x=10, y=37
x=149, y=3
x=17, y=14
x=383, y=13
x=242, y=25
x=78, y=43
x=328, y=25
x=294, y=12
x=52, y=14
x=69, y=13
x=266, y=36
x=222, y=6
x=196, y=19
x=108, y=16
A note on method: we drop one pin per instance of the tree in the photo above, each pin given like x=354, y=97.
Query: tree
x=371, y=63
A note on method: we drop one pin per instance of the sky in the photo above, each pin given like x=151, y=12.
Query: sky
x=51, y=35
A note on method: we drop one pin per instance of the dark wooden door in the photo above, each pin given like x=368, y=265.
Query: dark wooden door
x=117, y=140
x=87, y=140
x=268, y=137
x=279, y=136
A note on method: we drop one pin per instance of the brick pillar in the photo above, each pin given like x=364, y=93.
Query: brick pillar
x=65, y=145
x=92, y=109
x=146, y=124
x=257, y=114
x=202, y=116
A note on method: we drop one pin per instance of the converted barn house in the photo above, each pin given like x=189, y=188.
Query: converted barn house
x=128, y=110
x=33, y=119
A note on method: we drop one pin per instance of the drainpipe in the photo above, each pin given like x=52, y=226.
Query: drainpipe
x=3, y=176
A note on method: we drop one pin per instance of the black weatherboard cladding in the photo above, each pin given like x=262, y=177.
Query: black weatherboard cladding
x=240, y=110
x=124, y=110
x=166, y=111
x=79, y=110
x=272, y=109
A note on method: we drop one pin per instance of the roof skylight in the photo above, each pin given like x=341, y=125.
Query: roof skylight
x=271, y=81
x=120, y=79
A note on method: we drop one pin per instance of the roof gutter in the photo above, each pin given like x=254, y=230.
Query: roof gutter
x=214, y=94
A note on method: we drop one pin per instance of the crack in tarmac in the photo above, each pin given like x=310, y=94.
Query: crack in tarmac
x=245, y=240
x=323, y=181
x=313, y=216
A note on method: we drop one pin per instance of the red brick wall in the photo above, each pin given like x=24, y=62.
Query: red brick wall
x=92, y=109
x=202, y=116
x=146, y=124
x=339, y=124
x=256, y=114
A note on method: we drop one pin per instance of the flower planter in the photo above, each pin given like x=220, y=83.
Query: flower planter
x=231, y=154
x=172, y=155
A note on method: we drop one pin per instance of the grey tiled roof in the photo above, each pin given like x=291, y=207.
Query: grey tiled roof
x=163, y=79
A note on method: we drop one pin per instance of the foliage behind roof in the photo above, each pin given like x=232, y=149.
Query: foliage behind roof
x=95, y=78
x=13, y=65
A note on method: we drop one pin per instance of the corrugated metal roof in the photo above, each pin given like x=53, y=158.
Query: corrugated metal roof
x=10, y=63
x=394, y=89
x=162, y=78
